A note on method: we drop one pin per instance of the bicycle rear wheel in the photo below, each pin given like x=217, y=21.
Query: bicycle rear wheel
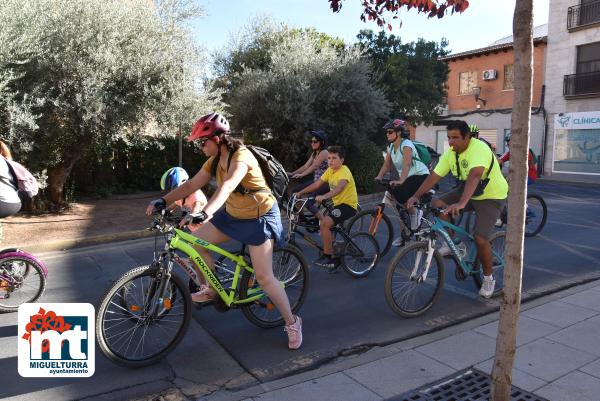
x=22, y=280
x=133, y=335
x=406, y=291
x=291, y=269
x=535, y=215
x=360, y=255
x=382, y=231
x=498, y=243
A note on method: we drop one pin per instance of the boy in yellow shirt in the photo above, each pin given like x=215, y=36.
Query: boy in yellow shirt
x=342, y=191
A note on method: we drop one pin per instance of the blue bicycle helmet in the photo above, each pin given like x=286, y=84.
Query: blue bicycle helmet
x=172, y=178
x=320, y=135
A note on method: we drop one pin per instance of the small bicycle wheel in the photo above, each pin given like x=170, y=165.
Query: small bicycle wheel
x=382, y=231
x=142, y=333
x=291, y=269
x=360, y=255
x=22, y=280
x=407, y=292
x=498, y=243
x=536, y=214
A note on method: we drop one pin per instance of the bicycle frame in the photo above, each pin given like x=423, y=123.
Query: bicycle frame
x=184, y=242
x=294, y=228
x=440, y=226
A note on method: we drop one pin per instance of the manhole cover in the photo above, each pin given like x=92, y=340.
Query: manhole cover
x=469, y=385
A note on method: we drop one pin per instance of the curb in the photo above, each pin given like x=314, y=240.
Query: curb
x=81, y=242
x=122, y=236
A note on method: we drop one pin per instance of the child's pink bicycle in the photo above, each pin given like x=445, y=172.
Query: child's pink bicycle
x=22, y=279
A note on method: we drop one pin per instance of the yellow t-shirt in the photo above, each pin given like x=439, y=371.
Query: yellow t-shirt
x=477, y=154
x=252, y=205
x=348, y=194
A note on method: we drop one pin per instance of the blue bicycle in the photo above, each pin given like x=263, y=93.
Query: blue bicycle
x=415, y=276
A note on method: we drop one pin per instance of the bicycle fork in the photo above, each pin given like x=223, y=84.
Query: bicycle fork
x=158, y=291
x=414, y=274
x=377, y=218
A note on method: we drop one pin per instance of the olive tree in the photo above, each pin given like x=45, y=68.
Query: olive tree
x=297, y=81
x=75, y=73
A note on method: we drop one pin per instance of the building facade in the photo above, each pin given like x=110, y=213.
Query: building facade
x=573, y=91
x=480, y=91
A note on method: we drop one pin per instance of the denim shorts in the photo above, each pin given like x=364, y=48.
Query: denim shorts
x=251, y=231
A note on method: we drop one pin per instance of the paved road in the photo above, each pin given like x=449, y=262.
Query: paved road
x=342, y=315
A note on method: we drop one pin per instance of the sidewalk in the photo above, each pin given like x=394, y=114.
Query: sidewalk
x=558, y=358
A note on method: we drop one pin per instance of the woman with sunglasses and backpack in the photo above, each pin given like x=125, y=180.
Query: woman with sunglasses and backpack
x=250, y=216
x=403, y=156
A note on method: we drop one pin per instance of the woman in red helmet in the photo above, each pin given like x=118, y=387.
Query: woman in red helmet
x=251, y=218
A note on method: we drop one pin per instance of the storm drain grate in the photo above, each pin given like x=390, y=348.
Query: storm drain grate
x=469, y=385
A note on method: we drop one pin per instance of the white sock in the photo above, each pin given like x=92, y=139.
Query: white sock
x=489, y=278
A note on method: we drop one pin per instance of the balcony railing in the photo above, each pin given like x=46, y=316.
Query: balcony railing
x=582, y=84
x=583, y=14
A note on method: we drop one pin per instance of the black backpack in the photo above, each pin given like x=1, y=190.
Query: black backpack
x=273, y=171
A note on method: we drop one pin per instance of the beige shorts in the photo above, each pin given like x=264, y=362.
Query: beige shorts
x=487, y=211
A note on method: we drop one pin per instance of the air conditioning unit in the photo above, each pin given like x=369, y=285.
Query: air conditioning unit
x=489, y=75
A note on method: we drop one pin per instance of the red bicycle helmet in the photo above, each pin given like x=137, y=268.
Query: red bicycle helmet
x=209, y=125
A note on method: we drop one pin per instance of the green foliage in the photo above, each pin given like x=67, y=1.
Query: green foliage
x=297, y=80
x=365, y=165
x=410, y=73
x=77, y=73
x=131, y=163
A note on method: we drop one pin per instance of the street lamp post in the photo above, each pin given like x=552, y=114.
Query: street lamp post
x=180, y=147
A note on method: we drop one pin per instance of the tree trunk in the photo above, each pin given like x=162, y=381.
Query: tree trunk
x=57, y=175
x=519, y=145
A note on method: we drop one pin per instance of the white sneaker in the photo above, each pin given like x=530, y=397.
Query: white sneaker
x=444, y=250
x=415, y=220
x=487, y=287
x=397, y=242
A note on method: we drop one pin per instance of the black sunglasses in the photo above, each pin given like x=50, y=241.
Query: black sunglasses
x=315, y=141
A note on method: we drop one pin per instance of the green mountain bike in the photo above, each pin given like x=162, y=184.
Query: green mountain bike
x=146, y=312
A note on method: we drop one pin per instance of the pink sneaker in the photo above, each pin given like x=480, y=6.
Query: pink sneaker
x=205, y=294
x=294, y=332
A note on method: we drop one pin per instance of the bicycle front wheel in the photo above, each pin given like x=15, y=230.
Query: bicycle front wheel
x=536, y=214
x=22, y=280
x=381, y=229
x=408, y=291
x=291, y=269
x=360, y=255
x=131, y=330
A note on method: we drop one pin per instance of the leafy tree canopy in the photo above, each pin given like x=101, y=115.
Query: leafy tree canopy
x=283, y=82
x=410, y=74
x=74, y=73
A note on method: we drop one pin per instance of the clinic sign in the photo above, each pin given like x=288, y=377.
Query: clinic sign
x=587, y=120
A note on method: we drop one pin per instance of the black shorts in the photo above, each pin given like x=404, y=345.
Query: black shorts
x=408, y=188
x=341, y=213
